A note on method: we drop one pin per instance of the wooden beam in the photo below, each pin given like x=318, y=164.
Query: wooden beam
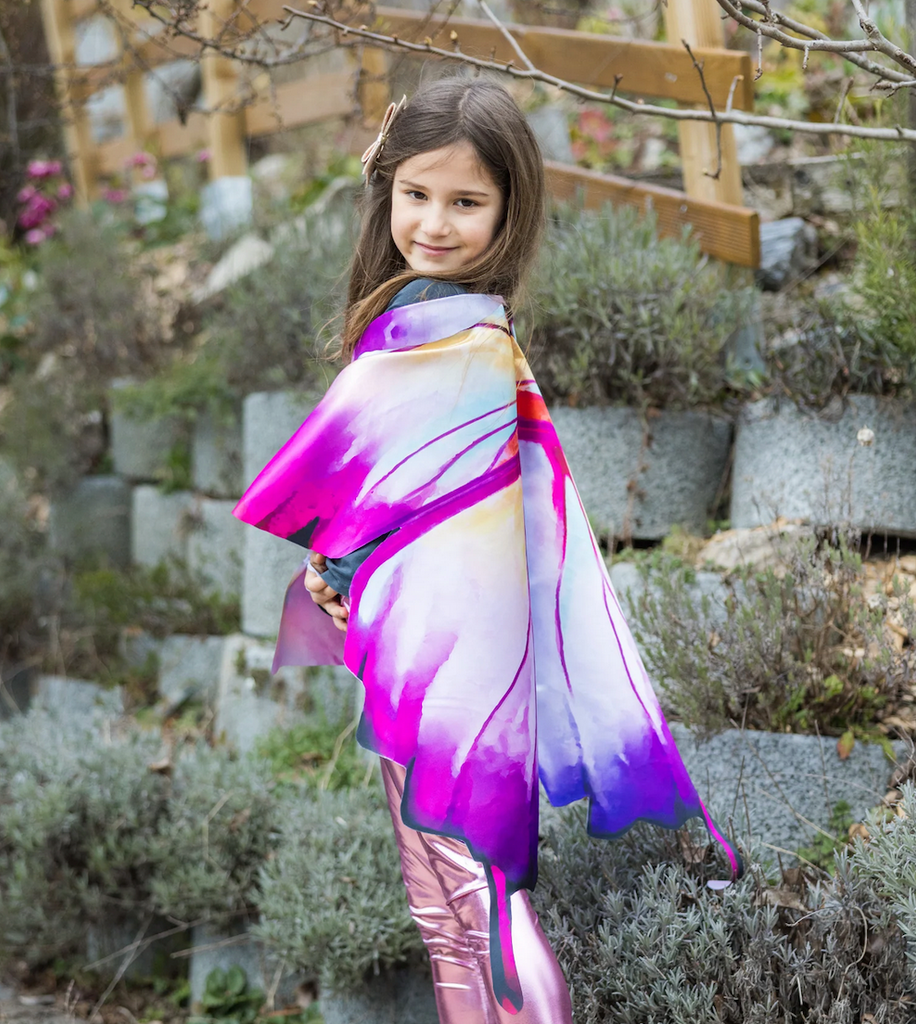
x=730, y=233
x=77, y=135
x=225, y=126
x=699, y=22
x=659, y=70
x=304, y=101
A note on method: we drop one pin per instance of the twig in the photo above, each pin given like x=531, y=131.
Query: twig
x=507, y=35
x=842, y=103
x=731, y=92
x=759, y=73
x=712, y=111
x=125, y=963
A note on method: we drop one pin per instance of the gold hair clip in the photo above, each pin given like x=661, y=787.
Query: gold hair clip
x=370, y=157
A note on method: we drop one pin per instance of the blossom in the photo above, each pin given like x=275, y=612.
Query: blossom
x=25, y=194
x=36, y=211
x=203, y=156
x=43, y=168
x=36, y=236
x=65, y=191
x=115, y=195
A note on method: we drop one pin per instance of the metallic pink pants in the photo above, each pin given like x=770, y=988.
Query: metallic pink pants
x=449, y=900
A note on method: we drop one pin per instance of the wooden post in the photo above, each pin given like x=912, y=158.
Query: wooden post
x=137, y=128
x=699, y=22
x=225, y=130
x=77, y=136
x=374, y=92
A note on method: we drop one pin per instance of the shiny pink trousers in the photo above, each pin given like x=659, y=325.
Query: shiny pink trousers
x=449, y=900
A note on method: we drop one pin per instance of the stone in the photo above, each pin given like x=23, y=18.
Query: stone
x=269, y=419
x=108, y=944
x=394, y=997
x=171, y=88
x=788, y=249
x=189, y=668
x=93, y=520
x=215, y=546
x=747, y=344
x=812, y=467
x=268, y=564
x=825, y=185
x=216, y=456
x=761, y=546
x=15, y=691
x=764, y=784
x=139, y=447
x=242, y=257
x=226, y=206
x=252, y=700
x=160, y=524
x=151, y=201
x=550, y=125
x=754, y=143
x=638, y=485
x=73, y=699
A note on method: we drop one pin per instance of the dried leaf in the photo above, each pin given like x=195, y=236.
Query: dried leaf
x=163, y=767
x=780, y=898
x=845, y=744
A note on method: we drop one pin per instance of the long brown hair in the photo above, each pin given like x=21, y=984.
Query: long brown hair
x=450, y=111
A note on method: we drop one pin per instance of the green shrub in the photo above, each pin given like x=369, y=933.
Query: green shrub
x=23, y=564
x=78, y=816
x=221, y=826
x=623, y=315
x=332, y=900
x=642, y=939
x=91, y=322
x=795, y=649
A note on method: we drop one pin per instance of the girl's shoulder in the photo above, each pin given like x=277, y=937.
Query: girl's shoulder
x=423, y=288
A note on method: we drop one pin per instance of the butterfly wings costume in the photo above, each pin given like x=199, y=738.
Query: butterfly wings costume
x=484, y=628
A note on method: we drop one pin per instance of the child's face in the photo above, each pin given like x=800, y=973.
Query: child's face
x=445, y=208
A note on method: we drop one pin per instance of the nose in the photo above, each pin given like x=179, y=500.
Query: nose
x=435, y=221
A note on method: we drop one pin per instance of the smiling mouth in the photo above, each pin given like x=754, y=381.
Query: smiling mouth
x=434, y=250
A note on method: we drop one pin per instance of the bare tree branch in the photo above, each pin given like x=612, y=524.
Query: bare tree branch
x=507, y=35
x=896, y=133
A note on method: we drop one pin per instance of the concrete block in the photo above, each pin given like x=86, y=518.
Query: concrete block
x=788, y=249
x=395, y=997
x=251, y=700
x=139, y=447
x=189, y=666
x=109, y=943
x=221, y=947
x=15, y=691
x=782, y=778
x=268, y=564
x=215, y=546
x=226, y=206
x=639, y=485
x=73, y=699
x=216, y=457
x=93, y=519
x=160, y=524
x=269, y=419
x=852, y=464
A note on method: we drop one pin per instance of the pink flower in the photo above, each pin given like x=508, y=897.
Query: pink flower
x=65, y=191
x=148, y=172
x=35, y=237
x=595, y=124
x=25, y=194
x=203, y=156
x=115, y=195
x=141, y=159
x=36, y=211
x=43, y=168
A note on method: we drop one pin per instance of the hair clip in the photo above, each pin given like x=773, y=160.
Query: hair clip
x=370, y=157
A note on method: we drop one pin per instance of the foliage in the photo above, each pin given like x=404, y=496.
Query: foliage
x=227, y=997
x=790, y=649
x=221, y=826
x=92, y=826
x=77, y=818
x=318, y=754
x=624, y=315
x=265, y=332
x=642, y=939
x=23, y=564
x=332, y=900
x=89, y=323
x=833, y=838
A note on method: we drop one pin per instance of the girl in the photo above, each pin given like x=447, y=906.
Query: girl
x=449, y=547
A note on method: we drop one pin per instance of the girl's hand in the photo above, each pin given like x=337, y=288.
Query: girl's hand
x=322, y=594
